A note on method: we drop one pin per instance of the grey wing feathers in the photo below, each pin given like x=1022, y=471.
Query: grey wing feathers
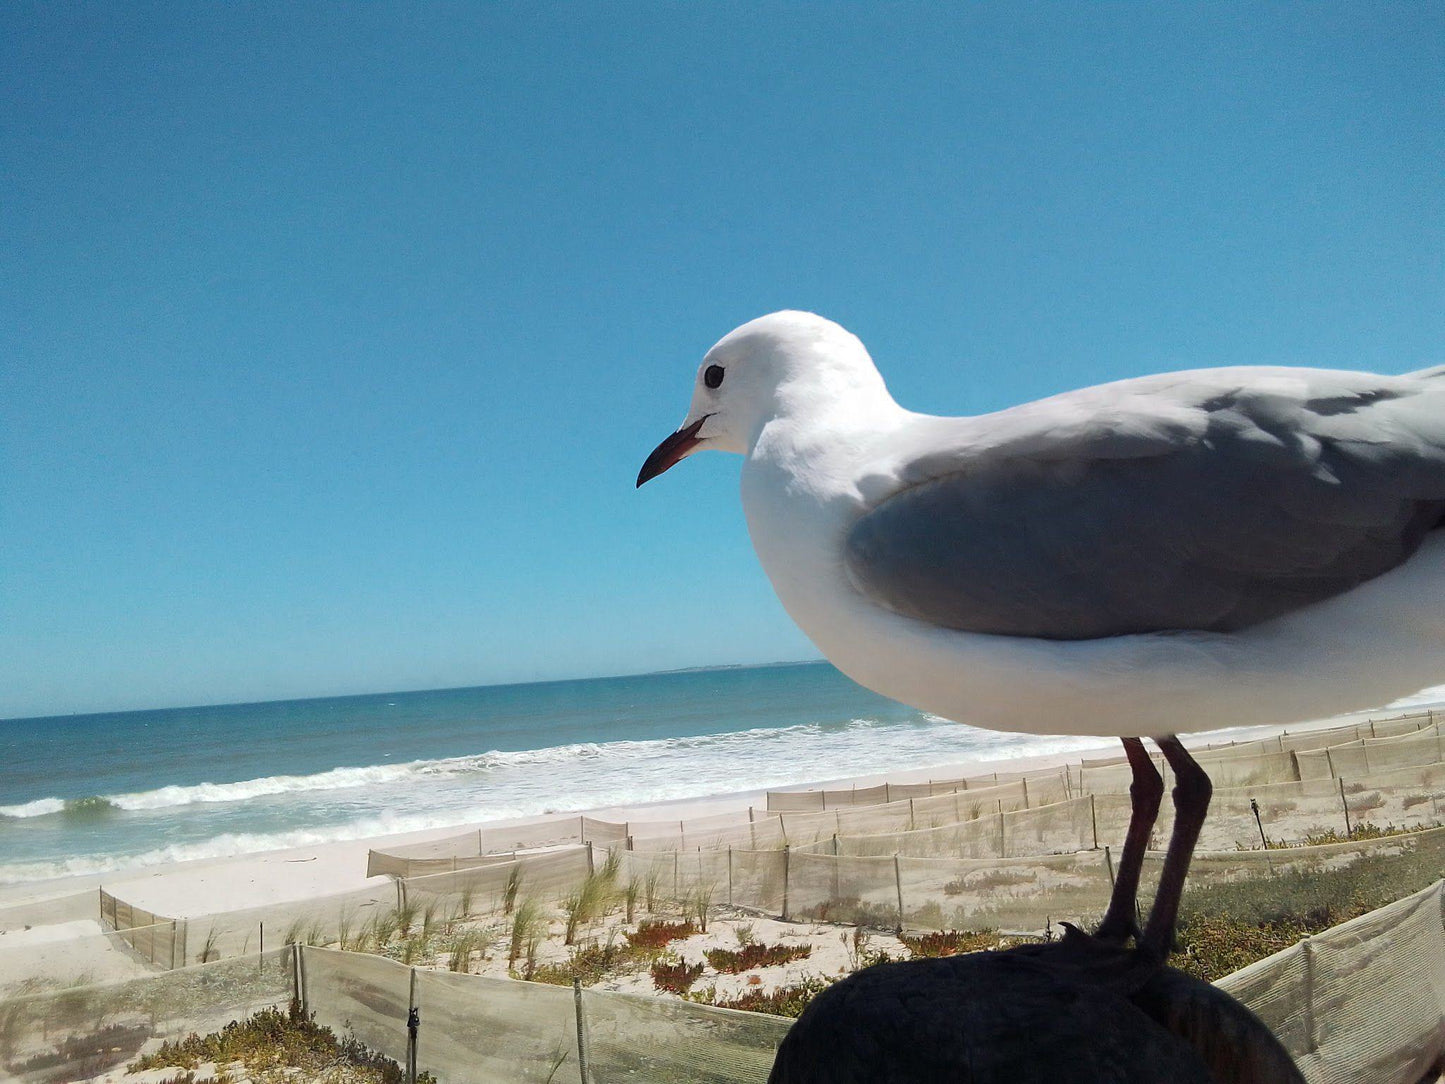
x=1200, y=501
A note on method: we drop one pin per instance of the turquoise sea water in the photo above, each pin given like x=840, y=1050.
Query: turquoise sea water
x=87, y=793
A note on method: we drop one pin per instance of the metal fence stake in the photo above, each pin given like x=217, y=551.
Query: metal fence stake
x=581, y=1030
x=413, y=1026
x=786, y=849
x=1309, y=995
x=898, y=884
x=1254, y=806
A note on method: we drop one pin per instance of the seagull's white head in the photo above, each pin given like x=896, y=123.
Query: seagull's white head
x=785, y=364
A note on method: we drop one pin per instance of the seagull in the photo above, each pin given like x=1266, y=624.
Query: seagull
x=1145, y=558
x=1160, y=555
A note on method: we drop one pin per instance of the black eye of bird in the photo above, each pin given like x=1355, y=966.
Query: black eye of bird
x=712, y=375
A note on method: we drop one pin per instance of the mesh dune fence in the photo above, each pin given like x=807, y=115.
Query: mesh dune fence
x=1111, y=774
x=885, y=891
x=155, y=938
x=82, y=1031
x=1370, y=755
x=1362, y=1003
x=936, y=869
x=1051, y=829
x=1048, y=785
x=797, y=818
x=478, y=1029
x=70, y=907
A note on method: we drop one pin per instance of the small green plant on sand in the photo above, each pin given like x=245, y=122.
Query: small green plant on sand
x=209, y=951
x=511, y=888
x=528, y=922
x=406, y=918
x=464, y=944
x=384, y=928
x=429, y=920
x=699, y=903
x=652, y=887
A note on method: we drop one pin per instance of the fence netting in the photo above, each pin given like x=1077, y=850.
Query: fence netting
x=1357, y=752
x=81, y=1031
x=1362, y=1002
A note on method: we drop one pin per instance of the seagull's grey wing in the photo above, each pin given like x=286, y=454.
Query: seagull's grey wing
x=1212, y=500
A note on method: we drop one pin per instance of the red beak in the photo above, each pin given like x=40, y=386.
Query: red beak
x=671, y=450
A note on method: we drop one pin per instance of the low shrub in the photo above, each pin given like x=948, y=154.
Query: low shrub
x=784, y=1001
x=749, y=956
x=675, y=977
x=654, y=935
x=1212, y=946
x=588, y=964
x=852, y=911
x=272, y=1038
x=949, y=942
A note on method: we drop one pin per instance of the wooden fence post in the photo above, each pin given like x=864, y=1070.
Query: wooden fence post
x=1349, y=832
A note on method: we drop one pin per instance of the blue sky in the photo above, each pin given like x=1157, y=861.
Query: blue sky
x=334, y=335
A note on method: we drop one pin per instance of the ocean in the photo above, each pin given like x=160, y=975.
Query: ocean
x=95, y=793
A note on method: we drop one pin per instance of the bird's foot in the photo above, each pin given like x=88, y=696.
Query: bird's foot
x=1098, y=961
x=1117, y=934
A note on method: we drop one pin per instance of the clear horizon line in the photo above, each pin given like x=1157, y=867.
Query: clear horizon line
x=408, y=692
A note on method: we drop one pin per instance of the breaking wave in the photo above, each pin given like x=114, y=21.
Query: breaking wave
x=381, y=774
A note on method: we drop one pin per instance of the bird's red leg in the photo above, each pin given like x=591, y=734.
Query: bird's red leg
x=1145, y=793
x=1192, y=791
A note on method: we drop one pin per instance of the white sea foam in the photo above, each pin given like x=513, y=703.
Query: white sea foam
x=1425, y=697
x=383, y=774
x=457, y=791
x=39, y=808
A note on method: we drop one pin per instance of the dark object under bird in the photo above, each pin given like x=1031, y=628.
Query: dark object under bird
x=1086, y=1009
